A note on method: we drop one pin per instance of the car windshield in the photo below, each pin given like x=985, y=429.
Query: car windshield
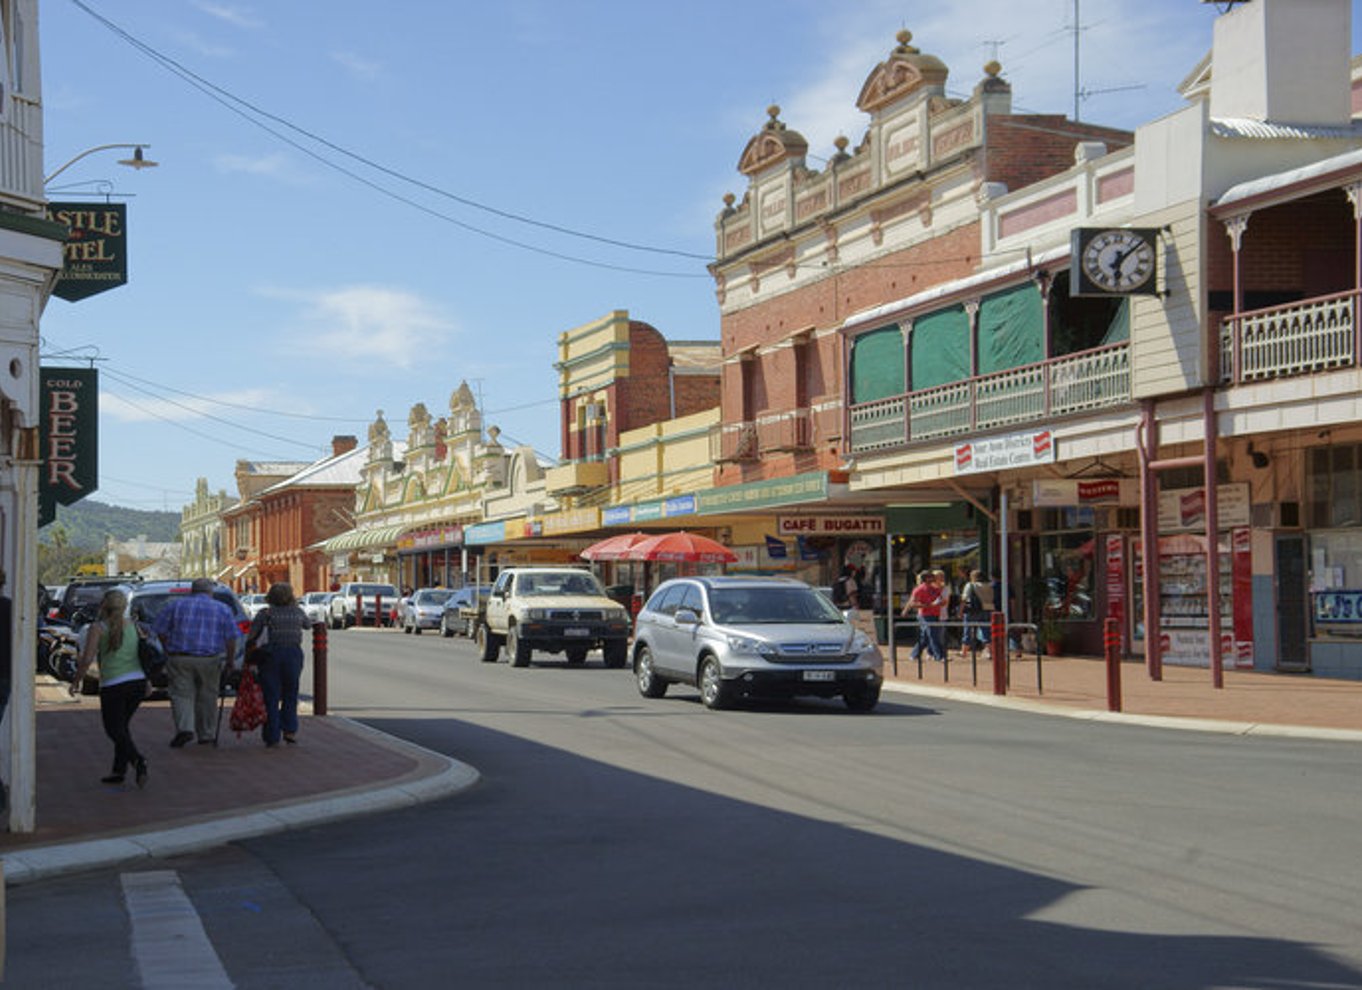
x=370, y=590
x=559, y=584
x=432, y=597
x=741, y=606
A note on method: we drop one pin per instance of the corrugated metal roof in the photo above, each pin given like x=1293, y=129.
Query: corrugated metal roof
x=1266, y=130
x=1283, y=180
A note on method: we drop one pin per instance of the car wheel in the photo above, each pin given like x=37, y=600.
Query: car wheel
x=862, y=698
x=649, y=684
x=715, y=692
x=445, y=631
x=616, y=652
x=488, y=647
x=406, y=629
x=517, y=648
x=416, y=630
x=576, y=654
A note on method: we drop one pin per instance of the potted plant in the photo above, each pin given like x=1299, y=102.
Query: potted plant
x=1045, y=614
x=1050, y=632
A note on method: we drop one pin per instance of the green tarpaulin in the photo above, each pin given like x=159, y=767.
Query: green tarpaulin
x=1011, y=329
x=940, y=348
x=877, y=365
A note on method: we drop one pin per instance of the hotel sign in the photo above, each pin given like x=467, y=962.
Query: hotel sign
x=69, y=432
x=96, y=248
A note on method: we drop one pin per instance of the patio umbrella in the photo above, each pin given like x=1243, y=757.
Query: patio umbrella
x=613, y=547
x=681, y=546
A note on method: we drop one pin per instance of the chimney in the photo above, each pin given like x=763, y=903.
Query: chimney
x=343, y=445
x=1284, y=61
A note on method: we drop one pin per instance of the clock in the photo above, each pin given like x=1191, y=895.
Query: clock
x=1119, y=261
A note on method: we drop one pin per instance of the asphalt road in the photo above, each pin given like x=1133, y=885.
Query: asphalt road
x=616, y=841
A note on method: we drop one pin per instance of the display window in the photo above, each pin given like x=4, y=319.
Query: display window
x=1064, y=566
x=1336, y=582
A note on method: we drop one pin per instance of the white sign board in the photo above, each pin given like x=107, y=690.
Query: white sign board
x=1000, y=453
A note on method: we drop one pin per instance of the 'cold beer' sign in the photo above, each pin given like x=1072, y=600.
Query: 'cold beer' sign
x=70, y=438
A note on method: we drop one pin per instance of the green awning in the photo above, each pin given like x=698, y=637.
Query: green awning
x=358, y=539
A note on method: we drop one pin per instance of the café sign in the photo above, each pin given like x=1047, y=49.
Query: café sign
x=829, y=525
x=69, y=435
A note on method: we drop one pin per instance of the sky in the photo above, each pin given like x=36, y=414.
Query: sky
x=358, y=206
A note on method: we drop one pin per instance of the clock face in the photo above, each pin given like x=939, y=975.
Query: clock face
x=1118, y=260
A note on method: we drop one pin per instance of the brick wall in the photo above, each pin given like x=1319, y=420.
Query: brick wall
x=1022, y=150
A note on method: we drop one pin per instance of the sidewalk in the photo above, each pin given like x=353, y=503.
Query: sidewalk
x=201, y=796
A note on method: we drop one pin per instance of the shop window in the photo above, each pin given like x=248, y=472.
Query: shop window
x=1333, y=486
x=1336, y=582
x=1063, y=574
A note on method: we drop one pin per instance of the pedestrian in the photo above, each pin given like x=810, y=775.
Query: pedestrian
x=846, y=590
x=925, y=599
x=976, y=604
x=112, y=639
x=280, y=661
x=199, y=636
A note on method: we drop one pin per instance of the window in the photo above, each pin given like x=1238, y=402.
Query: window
x=1084, y=322
x=1332, y=486
x=1064, y=570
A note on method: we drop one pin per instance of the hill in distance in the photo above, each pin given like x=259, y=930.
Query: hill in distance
x=89, y=524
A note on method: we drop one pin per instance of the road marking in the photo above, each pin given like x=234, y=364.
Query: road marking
x=169, y=945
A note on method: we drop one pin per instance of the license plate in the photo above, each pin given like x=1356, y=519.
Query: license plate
x=819, y=675
x=574, y=631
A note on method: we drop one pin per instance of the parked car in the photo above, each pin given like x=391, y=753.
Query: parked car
x=422, y=609
x=317, y=605
x=373, y=595
x=553, y=610
x=734, y=637
x=82, y=595
x=252, y=604
x=460, y=612
x=145, y=600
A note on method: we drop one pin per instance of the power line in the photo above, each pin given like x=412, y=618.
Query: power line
x=222, y=97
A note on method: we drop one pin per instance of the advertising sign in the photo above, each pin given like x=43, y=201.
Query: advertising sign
x=997, y=453
x=69, y=430
x=96, y=248
x=824, y=525
x=1186, y=508
x=1115, y=554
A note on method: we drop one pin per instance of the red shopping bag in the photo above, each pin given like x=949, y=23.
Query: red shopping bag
x=248, y=711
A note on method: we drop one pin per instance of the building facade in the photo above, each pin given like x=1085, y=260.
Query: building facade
x=201, y=537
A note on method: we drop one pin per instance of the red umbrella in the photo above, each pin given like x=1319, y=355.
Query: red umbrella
x=681, y=546
x=613, y=547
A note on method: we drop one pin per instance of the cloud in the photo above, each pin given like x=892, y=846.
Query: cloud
x=242, y=17
x=196, y=43
x=359, y=67
x=276, y=165
x=371, y=324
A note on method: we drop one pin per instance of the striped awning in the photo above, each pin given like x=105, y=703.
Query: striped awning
x=358, y=539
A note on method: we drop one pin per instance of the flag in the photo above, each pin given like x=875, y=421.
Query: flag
x=775, y=549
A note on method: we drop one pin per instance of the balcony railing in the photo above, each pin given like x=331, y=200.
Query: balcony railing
x=1308, y=336
x=1076, y=382
x=788, y=432
x=733, y=442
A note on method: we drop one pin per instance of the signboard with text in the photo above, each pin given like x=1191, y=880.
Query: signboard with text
x=999, y=453
x=69, y=431
x=96, y=248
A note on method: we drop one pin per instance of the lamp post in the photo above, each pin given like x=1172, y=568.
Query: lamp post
x=137, y=161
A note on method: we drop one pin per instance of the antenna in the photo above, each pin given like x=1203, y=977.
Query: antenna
x=1078, y=31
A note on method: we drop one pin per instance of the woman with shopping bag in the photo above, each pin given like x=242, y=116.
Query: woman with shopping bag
x=275, y=644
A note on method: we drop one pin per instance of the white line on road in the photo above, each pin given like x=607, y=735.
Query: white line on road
x=169, y=945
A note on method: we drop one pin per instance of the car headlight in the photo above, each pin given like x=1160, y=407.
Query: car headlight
x=861, y=642
x=744, y=644
x=616, y=615
x=536, y=614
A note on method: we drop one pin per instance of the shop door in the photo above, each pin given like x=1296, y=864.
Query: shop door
x=1292, y=604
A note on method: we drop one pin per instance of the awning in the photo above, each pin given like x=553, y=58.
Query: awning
x=357, y=539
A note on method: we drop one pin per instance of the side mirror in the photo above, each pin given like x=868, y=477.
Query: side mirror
x=687, y=617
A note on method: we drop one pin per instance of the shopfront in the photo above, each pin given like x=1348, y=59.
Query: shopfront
x=430, y=558
x=1332, y=562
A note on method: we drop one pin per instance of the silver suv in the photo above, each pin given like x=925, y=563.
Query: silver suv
x=736, y=636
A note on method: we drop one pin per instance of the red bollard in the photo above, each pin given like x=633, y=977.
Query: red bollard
x=319, y=668
x=1111, y=650
x=998, y=634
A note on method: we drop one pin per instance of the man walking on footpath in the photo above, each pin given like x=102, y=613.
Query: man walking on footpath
x=199, y=635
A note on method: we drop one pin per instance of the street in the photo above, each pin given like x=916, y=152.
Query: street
x=619, y=841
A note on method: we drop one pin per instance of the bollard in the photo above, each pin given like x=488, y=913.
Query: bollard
x=1111, y=649
x=998, y=633
x=319, y=668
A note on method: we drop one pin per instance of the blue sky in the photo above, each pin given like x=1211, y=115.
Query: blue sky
x=274, y=300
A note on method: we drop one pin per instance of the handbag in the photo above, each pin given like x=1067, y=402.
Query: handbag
x=248, y=710
x=257, y=652
x=150, y=655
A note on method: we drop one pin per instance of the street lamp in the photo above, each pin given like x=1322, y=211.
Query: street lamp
x=137, y=161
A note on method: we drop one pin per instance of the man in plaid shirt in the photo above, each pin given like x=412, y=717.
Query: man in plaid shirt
x=198, y=634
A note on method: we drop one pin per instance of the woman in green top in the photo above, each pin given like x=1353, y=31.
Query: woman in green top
x=122, y=684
